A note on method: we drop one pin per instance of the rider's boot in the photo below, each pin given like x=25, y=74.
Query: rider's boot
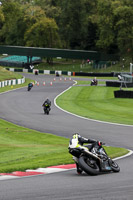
x=79, y=170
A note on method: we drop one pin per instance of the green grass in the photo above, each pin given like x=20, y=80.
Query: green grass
x=8, y=75
x=115, y=151
x=22, y=148
x=101, y=80
x=88, y=82
x=97, y=103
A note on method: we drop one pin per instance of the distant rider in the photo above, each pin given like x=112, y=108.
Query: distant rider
x=47, y=104
x=77, y=141
x=94, y=81
x=30, y=85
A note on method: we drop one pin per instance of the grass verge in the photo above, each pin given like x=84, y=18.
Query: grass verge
x=8, y=75
x=97, y=103
x=22, y=148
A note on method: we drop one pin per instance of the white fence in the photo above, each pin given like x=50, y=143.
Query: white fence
x=12, y=82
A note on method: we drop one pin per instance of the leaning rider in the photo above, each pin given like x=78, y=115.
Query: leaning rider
x=78, y=141
x=30, y=85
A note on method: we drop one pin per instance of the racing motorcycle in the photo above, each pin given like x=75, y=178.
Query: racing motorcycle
x=30, y=85
x=46, y=108
x=94, y=82
x=93, y=160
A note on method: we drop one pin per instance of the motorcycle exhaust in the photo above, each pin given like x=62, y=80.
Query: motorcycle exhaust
x=92, y=155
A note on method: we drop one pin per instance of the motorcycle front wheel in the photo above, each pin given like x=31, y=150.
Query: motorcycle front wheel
x=115, y=167
x=88, y=165
x=47, y=112
x=28, y=88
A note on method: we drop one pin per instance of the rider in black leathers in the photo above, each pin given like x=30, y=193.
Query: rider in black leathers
x=47, y=103
x=79, y=141
x=94, y=81
x=30, y=85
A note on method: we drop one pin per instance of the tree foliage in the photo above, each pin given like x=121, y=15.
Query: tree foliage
x=43, y=33
x=105, y=25
x=12, y=29
x=124, y=28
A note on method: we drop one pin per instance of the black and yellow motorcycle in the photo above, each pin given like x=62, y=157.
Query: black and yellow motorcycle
x=93, y=160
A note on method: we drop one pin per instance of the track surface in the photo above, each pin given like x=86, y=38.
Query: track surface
x=24, y=108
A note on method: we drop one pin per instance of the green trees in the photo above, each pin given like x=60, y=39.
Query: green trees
x=12, y=29
x=124, y=28
x=43, y=33
x=115, y=26
x=2, y=19
x=27, y=24
x=104, y=25
x=73, y=23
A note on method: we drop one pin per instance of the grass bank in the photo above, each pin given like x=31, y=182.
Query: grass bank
x=101, y=80
x=22, y=148
x=8, y=75
x=97, y=103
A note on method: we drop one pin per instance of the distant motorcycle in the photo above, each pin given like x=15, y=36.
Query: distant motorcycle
x=30, y=85
x=93, y=160
x=94, y=82
x=36, y=72
x=57, y=74
x=46, y=108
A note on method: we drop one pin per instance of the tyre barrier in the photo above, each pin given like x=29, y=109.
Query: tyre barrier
x=111, y=74
x=106, y=74
x=68, y=73
x=118, y=84
x=123, y=94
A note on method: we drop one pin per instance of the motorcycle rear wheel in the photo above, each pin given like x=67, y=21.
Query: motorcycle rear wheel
x=46, y=111
x=87, y=166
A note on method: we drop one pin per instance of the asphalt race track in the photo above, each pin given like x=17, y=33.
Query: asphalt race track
x=25, y=108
